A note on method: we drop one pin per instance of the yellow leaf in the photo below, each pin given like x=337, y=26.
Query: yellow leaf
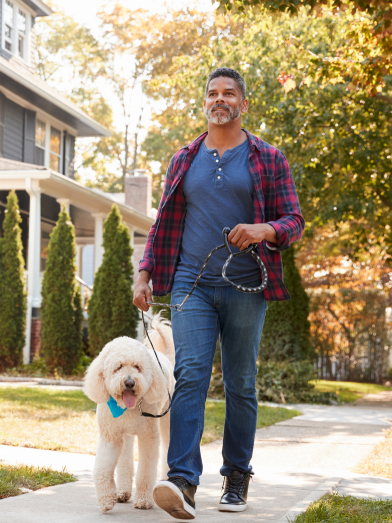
x=289, y=85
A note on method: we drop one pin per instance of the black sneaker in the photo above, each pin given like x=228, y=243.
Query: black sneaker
x=176, y=496
x=235, y=492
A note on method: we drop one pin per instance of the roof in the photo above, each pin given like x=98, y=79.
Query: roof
x=20, y=81
x=39, y=7
x=60, y=186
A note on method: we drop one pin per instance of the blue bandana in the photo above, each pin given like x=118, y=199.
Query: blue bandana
x=115, y=409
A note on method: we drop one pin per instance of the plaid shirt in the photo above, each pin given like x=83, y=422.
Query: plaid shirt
x=275, y=202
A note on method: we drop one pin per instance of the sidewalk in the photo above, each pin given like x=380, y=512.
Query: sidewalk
x=295, y=461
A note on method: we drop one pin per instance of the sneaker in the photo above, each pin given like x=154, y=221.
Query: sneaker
x=176, y=496
x=235, y=492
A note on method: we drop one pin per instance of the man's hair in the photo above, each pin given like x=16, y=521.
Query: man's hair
x=228, y=73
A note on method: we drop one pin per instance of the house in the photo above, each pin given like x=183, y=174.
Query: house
x=38, y=129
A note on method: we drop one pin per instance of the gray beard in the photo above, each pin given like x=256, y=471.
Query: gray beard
x=233, y=114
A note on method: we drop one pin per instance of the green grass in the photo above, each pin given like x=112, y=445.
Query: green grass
x=15, y=477
x=346, y=509
x=215, y=419
x=348, y=391
x=65, y=420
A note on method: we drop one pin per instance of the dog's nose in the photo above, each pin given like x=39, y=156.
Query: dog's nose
x=129, y=383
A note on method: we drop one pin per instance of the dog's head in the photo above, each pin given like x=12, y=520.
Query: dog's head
x=126, y=370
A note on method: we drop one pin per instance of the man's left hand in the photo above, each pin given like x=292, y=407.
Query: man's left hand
x=244, y=234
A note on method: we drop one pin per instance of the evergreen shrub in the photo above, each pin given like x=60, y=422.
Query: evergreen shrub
x=61, y=311
x=13, y=298
x=288, y=382
x=286, y=332
x=111, y=311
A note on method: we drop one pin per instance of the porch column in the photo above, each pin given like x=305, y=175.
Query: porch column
x=33, y=260
x=64, y=202
x=98, y=239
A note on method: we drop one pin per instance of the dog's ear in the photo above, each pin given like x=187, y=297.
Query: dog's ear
x=161, y=381
x=94, y=383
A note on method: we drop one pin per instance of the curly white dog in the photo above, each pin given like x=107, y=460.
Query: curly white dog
x=127, y=370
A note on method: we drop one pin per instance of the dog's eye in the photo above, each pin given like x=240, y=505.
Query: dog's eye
x=137, y=367
x=118, y=368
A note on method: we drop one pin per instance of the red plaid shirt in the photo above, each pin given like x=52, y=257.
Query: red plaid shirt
x=275, y=202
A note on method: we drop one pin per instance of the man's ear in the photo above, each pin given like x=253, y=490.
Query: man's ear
x=94, y=383
x=244, y=106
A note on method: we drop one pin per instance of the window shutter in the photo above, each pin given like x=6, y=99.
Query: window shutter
x=29, y=136
x=2, y=122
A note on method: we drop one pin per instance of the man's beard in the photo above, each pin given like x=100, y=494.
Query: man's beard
x=221, y=119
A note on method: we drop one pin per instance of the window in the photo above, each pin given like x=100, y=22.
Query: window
x=16, y=28
x=40, y=140
x=22, y=26
x=55, y=149
x=9, y=25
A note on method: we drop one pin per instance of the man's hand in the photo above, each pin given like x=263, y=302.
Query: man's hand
x=142, y=292
x=245, y=234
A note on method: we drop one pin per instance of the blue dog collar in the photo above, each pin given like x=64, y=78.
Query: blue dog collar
x=115, y=409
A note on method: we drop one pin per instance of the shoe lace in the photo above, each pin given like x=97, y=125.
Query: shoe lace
x=235, y=484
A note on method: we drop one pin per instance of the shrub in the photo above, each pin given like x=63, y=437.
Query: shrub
x=111, y=311
x=288, y=382
x=286, y=332
x=13, y=301
x=61, y=312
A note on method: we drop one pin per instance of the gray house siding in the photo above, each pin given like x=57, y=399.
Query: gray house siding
x=2, y=122
x=29, y=136
x=13, y=132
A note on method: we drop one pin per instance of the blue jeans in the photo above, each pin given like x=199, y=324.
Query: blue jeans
x=238, y=318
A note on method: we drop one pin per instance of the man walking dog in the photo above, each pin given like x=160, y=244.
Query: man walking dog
x=227, y=177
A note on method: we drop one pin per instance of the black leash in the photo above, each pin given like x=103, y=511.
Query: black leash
x=252, y=250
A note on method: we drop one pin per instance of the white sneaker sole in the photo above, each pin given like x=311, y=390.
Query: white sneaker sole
x=169, y=498
x=225, y=507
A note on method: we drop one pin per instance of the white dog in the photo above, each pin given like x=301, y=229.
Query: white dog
x=127, y=371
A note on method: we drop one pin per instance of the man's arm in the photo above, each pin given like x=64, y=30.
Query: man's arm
x=289, y=224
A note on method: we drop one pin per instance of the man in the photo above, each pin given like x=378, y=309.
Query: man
x=225, y=178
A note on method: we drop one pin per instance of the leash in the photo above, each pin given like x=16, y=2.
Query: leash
x=252, y=250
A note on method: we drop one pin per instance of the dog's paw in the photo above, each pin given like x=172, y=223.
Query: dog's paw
x=106, y=503
x=144, y=503
x=123, y=496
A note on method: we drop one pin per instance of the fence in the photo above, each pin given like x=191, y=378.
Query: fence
x=371, y=368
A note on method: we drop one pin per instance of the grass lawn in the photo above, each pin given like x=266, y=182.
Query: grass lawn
x=65, y=420
x=346, y=509
x=15, y=477
x=348, y=391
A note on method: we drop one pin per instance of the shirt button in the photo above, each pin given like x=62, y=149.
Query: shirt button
x=219, y=169
x=218, y=177
x=214, y=154
x=217, y=161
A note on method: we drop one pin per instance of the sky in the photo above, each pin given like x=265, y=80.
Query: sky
x=85, y=12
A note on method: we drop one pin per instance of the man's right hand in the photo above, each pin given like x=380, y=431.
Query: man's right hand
x=142, y=292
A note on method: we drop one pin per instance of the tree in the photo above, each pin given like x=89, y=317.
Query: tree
x=61, y=310
x=111, y=311
x=13, y=301
x=286, y=332
x=362, y=54
x=337, y=140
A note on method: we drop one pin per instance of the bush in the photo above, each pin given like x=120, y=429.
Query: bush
x=286, y=332
x=61, y=312
x=111, y=311
x=13, y=301
x=288, y=382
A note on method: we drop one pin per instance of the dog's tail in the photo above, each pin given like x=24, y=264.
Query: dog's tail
x=162, y=337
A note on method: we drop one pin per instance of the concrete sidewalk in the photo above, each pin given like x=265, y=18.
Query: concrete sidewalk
x=295, y=461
